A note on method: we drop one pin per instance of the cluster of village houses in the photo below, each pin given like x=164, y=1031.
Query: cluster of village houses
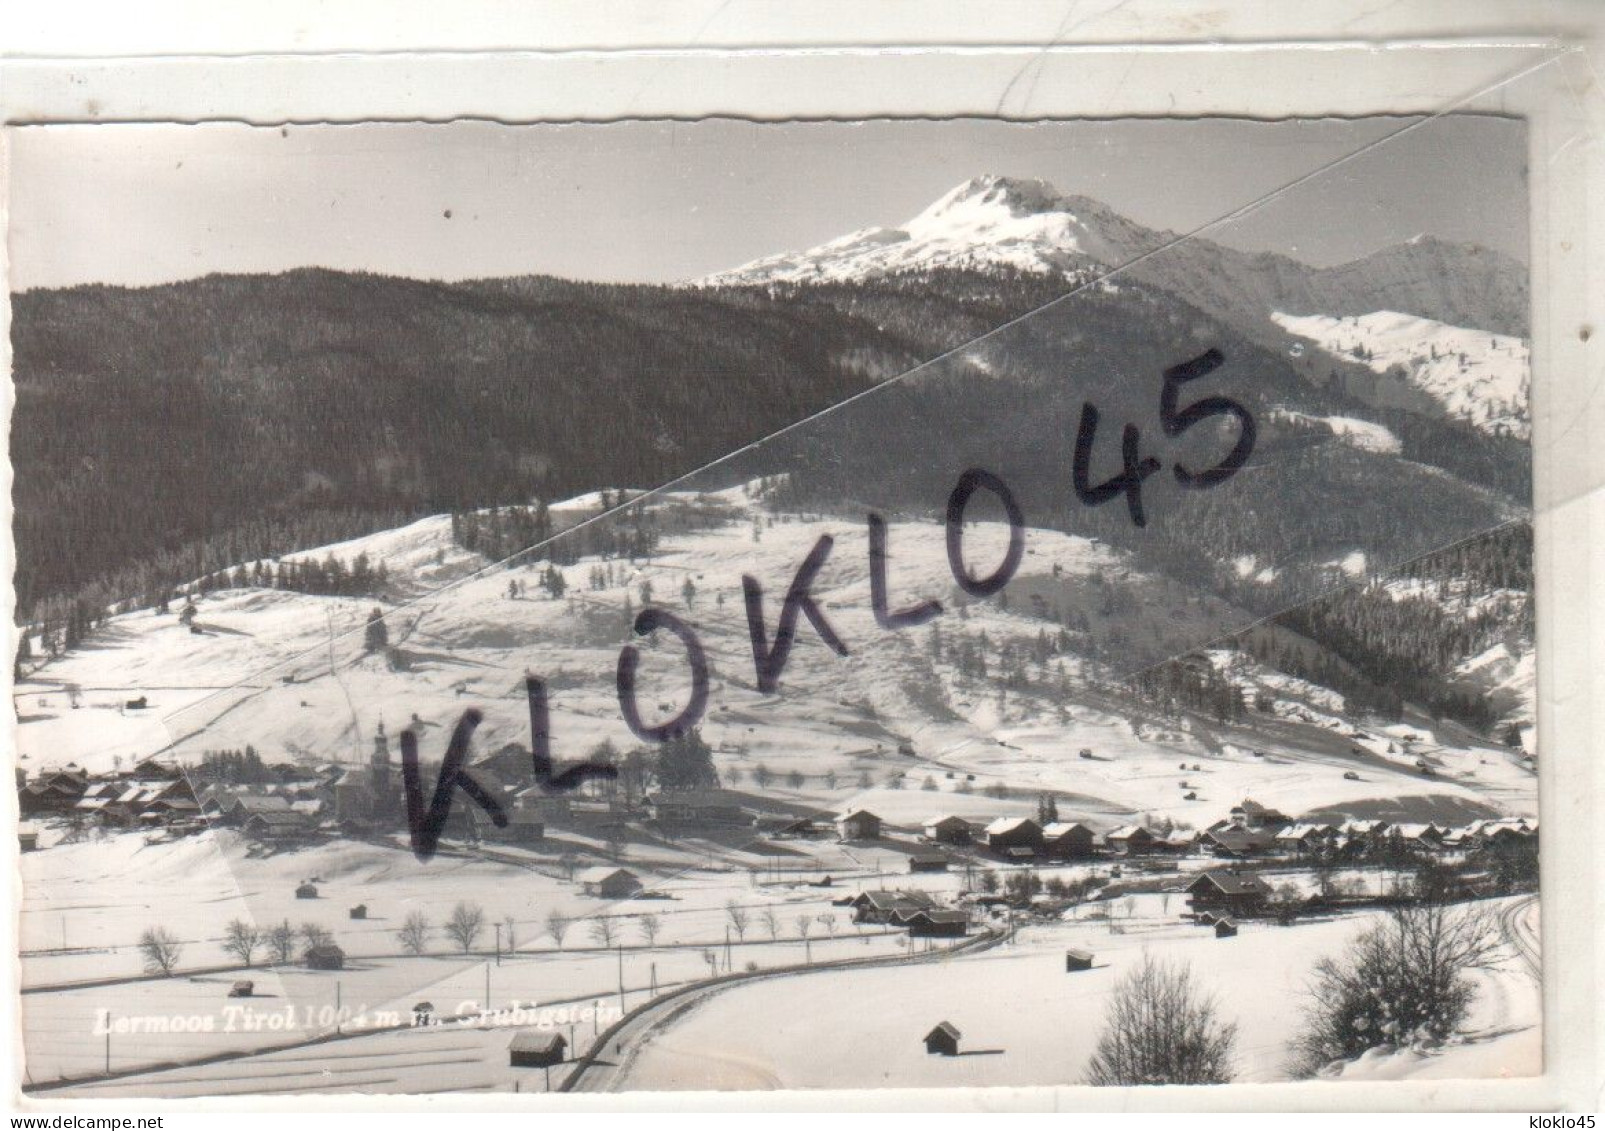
x=297, y=802
x=1249, y=831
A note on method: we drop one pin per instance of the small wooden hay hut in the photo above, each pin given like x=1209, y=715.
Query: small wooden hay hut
x=531, y=1048
x=943, y=1040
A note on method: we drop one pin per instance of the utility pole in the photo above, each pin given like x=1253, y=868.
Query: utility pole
x=498, y=927
x=487, y=987
x=621, y=976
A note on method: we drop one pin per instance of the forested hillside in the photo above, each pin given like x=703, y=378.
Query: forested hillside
x=165, y=433
x=172, y=433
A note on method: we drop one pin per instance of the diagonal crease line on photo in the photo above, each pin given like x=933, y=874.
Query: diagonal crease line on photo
x=879, y=389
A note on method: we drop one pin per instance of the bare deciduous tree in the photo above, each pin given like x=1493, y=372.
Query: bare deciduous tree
x=803, y=923
x=467, y=920
x=241, y=939
x=281, y=941
x=603, y=930
x=771, y=923
x=557, y=923
x=161, y=950
x=414, y=932
x=650, y=924
x=738, y=919
x=1403, y=981
x=315, y=936
x=1160, y=1029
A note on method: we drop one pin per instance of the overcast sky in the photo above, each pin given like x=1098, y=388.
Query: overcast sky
x=654, y=202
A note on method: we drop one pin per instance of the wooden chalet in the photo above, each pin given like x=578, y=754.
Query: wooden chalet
x=149, y=769
x=1228, y=891
x=1419, y=837
x=240, y=807
x=948, y=829
x=276, y=826
x=1237, y=843
x=1305, y=839
x=1131, y=840
x=887, y=906
x=523, y=826
x=1007, y=833
x=700, y=807
x=1068, y=840
x=1250, y=814
x=938, y=924
x=927, y=862
x=860, y=824
x=52, y=793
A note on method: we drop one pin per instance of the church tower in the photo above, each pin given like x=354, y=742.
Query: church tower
x=379, y=764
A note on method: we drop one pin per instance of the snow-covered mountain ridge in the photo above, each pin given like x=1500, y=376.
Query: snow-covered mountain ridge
x=988, y=221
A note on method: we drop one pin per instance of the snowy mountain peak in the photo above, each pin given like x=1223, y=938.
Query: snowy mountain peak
x=1012, y=196
x=988, y=221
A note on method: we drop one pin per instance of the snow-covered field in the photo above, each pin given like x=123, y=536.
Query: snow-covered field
x=1479, y=377
x=1026, y=1021
x=1363, y=434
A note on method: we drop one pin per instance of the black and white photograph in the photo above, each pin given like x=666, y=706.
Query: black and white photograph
x=732, y=605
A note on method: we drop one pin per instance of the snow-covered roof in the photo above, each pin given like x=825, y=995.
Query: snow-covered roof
x=1301, y=831
x=1055, y=829
x=1126, y=832
x=535, y=1041
x=1415, y=831
x=1007, y=825
x=600, y=874
x=260, y=803
x=1362, y=828
x=1232, y=883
